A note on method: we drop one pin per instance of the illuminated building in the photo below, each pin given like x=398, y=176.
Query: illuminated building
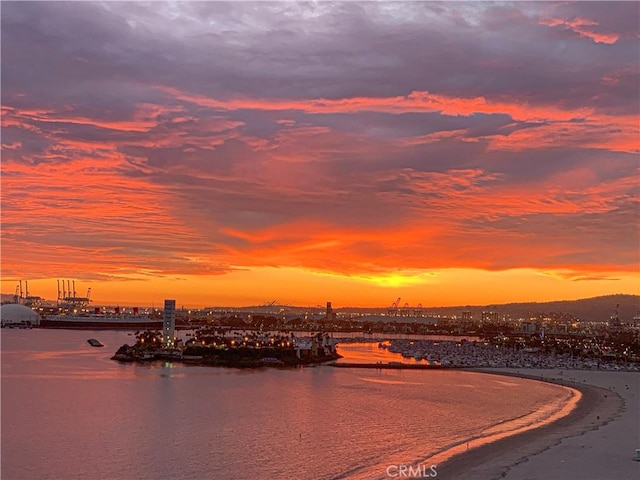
x=169, y=323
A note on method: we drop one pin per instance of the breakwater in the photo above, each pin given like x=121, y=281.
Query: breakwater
x=391, y=366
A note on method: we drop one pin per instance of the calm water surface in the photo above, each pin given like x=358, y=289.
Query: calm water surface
x=69, y=412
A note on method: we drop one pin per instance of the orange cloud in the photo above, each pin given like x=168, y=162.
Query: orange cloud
x=144, y=118
x=583, y=127
x=618, y=134
x=581, y=26
x=417, y=101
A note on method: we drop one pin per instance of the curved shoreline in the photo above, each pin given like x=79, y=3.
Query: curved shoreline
x=595, y=408
x=509, y=428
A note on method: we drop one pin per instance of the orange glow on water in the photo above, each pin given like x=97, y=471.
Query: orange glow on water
x=539, y=418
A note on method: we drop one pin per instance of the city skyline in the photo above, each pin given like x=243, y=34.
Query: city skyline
x=236, y=153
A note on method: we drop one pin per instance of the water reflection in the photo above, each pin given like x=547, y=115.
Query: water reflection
x=371, y=353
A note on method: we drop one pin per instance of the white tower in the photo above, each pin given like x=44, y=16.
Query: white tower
x=169, y=323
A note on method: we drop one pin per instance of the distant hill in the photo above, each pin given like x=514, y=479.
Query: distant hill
x=586, y=309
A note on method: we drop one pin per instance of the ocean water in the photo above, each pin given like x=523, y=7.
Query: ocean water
x=69, y=412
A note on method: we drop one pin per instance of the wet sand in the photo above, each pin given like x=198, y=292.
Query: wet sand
x=595, y=441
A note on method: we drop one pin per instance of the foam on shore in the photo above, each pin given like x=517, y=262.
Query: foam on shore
x=546, y=415
x=597, y=407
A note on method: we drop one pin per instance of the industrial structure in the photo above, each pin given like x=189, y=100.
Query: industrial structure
x=406, y=310
x=68, y=299
x=23, y=297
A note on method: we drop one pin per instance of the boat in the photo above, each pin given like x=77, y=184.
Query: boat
x=94, y=343
x=121, y=321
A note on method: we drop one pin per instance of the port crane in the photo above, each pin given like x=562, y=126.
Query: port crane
x=23, y=297
x=68, y=297
x=406, y=310
x=31, y=300
x=393, y=309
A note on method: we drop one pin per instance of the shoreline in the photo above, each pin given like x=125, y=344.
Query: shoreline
x=596, y=409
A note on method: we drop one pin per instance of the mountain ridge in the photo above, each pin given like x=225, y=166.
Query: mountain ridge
x=598, y=308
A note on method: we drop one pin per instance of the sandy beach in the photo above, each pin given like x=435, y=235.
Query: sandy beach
x=596, y=441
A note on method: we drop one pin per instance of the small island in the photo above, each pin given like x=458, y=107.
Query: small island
x=224, y=348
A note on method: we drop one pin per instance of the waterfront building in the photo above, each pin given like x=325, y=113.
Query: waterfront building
x=330, y=315
x=489, y=316
x=15, y=315
x=169, y=323
x=530, y=327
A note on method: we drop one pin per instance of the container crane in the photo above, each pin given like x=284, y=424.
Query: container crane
x=393, y=309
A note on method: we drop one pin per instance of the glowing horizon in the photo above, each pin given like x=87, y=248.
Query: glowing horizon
x=242, y=288
x=446, y=153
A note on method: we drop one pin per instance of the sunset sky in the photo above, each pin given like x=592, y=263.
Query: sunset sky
x=236, y=153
